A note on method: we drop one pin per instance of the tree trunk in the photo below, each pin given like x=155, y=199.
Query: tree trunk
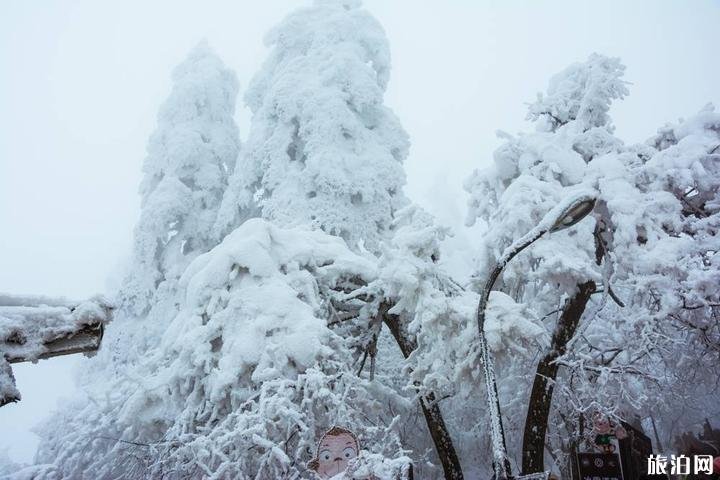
x=541, y=395
x=431, y=410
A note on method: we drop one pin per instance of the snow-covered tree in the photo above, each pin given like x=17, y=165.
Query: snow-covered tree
x=246, y=375
x=432, y=318
x=676, y=284
x=190, y=157
x=261, y=336
x=297, y=289
x=323, y=150
x=607, y=288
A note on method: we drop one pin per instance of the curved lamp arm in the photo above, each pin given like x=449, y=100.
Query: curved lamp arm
x=565, y=214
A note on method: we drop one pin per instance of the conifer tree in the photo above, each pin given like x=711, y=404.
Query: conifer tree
x=323, y=150
x=190, y=157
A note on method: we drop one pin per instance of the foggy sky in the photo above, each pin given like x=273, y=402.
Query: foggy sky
x=81, y=83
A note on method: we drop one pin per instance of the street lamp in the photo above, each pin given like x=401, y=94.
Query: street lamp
x=564, y=215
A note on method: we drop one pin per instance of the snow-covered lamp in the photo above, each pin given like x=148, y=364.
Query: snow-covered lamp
x=565, y=214
x=575, y=212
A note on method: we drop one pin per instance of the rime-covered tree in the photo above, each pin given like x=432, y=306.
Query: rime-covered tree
x=677, y=286
x=190, y=157
x=530, y=175
x=323, y=150
x=431, y=317
x=247, y=374
x=298, y=289
x=258, y=350
x=609, y=288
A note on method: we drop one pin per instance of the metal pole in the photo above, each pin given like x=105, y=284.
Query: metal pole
x=562, y=216
x=501, y=463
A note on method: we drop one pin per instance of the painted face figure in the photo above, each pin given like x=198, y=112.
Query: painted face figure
x=601, y=424
x=336, y=448
x=606, y=433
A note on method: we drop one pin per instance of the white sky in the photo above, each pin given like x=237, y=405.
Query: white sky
x=81, y=82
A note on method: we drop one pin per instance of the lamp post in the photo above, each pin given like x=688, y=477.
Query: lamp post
x=565, y=214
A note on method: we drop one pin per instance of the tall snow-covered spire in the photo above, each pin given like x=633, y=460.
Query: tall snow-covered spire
x=189, y=159
x=323, y=150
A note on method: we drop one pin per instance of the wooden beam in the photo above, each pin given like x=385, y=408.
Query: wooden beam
x=34, y=327
x=85, y=340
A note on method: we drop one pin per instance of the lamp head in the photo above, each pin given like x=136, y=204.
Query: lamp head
x=573, y=214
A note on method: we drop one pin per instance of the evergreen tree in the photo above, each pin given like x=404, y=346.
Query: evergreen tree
x=323, y=150
x=247, y=367
x=190, y=157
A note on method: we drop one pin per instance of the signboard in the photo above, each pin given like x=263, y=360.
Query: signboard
x=635, y=450
x=599, y=466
